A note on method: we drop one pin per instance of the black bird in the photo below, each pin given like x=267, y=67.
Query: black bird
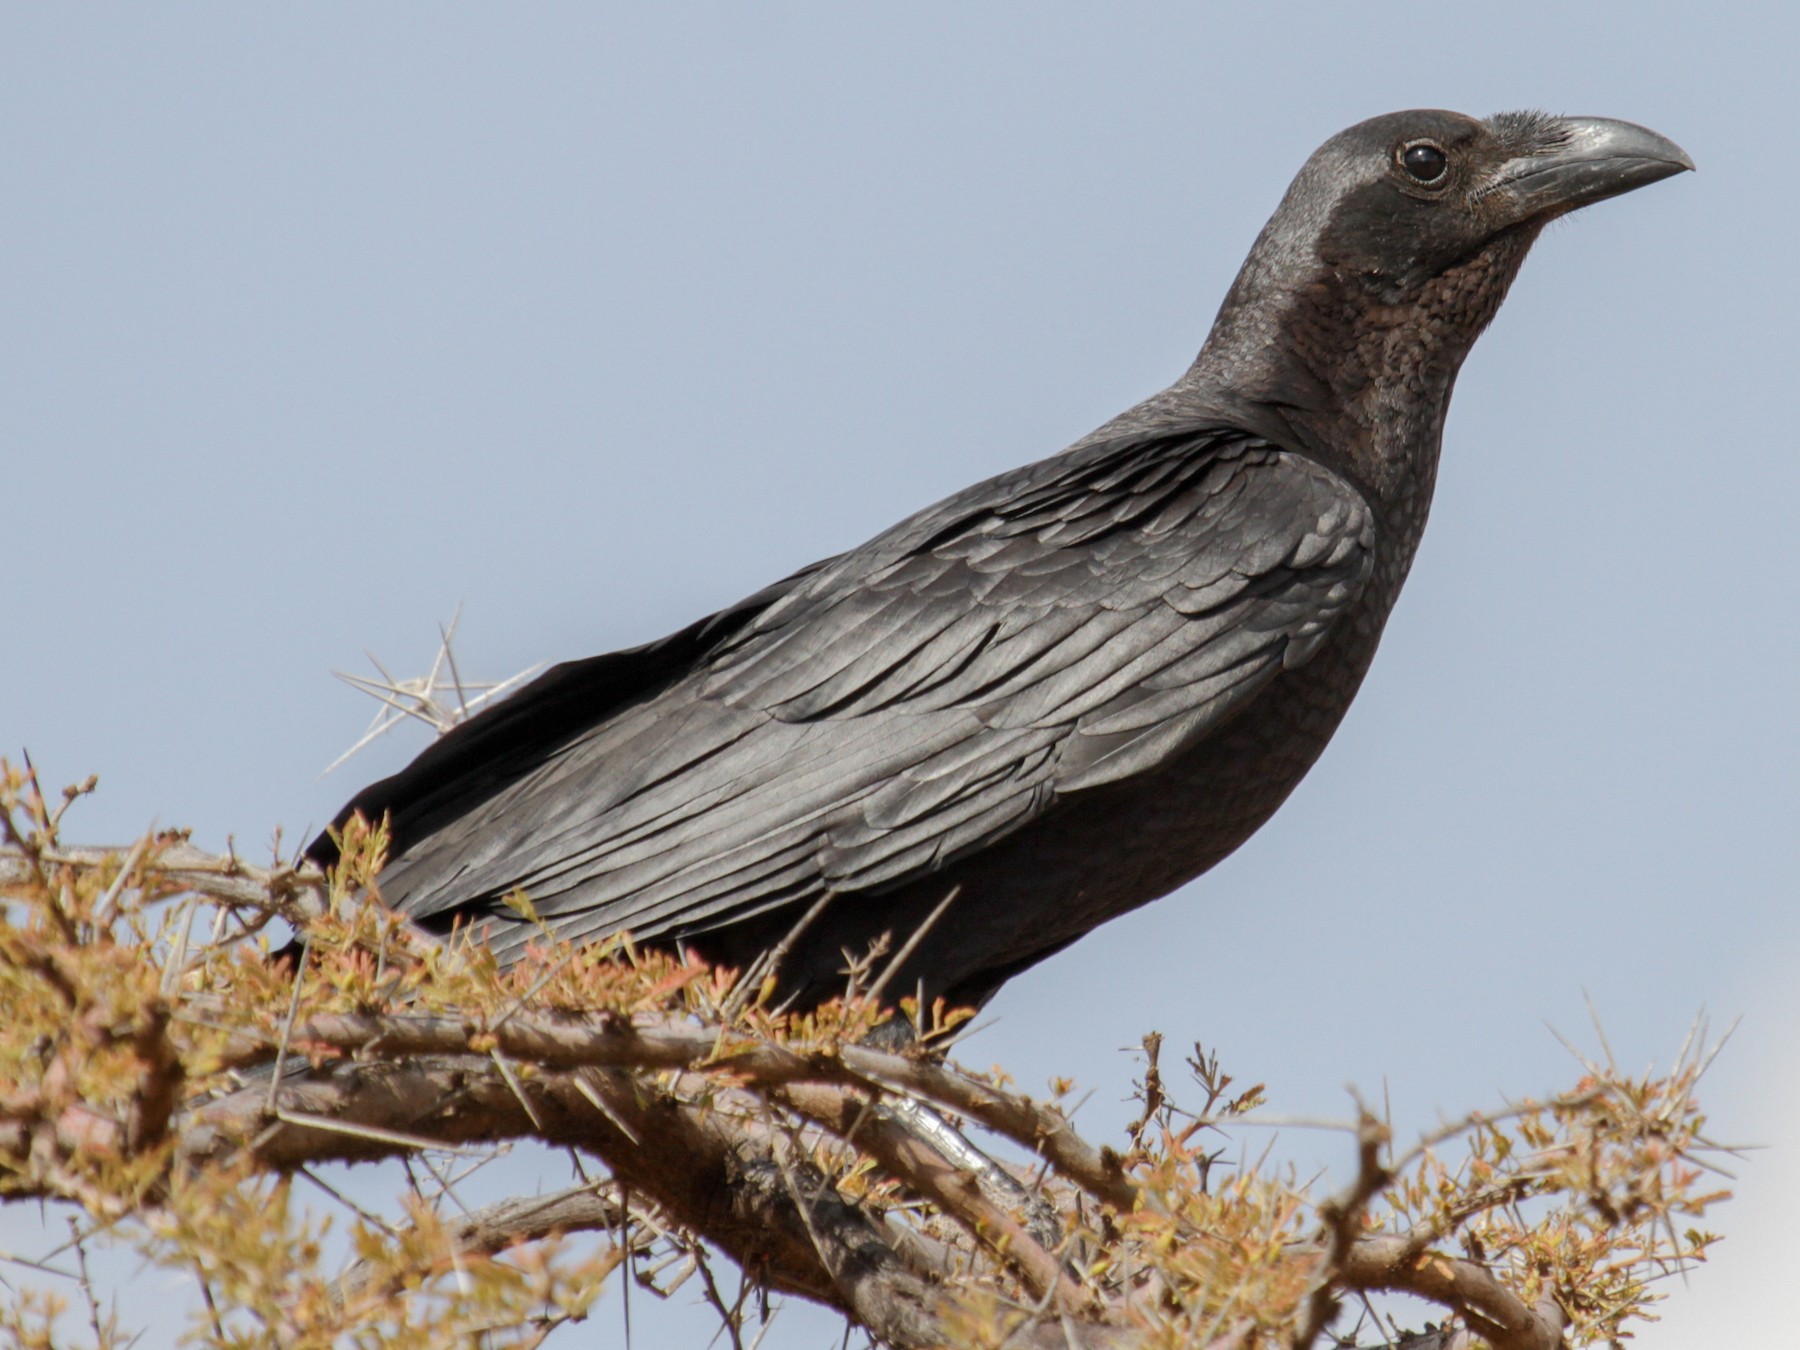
x=1058, y=694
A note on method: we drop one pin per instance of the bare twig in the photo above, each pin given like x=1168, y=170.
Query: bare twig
x=912, y=944
x=292, y=893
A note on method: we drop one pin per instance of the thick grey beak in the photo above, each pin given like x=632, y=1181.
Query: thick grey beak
x=1595, y=158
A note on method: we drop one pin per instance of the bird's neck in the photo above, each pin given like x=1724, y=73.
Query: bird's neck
x=1356, y=377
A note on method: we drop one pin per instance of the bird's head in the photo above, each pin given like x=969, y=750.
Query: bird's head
x=1397, y=242
x=1411, y=195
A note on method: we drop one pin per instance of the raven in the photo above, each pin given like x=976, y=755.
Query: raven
x=1058, y=694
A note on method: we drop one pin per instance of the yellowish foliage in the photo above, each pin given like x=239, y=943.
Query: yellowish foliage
x=130, y=999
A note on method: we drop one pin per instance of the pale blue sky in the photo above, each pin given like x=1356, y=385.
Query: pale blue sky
x=317, y=321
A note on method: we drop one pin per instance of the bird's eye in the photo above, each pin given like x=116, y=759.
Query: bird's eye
x=1424, y=162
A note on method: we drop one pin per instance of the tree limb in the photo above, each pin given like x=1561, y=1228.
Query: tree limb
x=573, y=1042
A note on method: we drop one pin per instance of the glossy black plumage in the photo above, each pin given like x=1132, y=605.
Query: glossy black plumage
x=1063, y=691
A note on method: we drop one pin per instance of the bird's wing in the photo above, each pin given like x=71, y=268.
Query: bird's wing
x=1073, y=623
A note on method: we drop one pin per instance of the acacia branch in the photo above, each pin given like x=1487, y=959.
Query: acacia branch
x=730, y=1128
x=716, y=1170
x=1344, y=1220
x=296, y=894
x=494, y=1228
x=612, y=1042
x=709, y=1170
x=381, y=1109
x=904, y=1155
x=1501, y=1317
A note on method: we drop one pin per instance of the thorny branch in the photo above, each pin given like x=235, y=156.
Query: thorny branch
x=294, y=892
x=139, y=1079
x=608, y=1042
